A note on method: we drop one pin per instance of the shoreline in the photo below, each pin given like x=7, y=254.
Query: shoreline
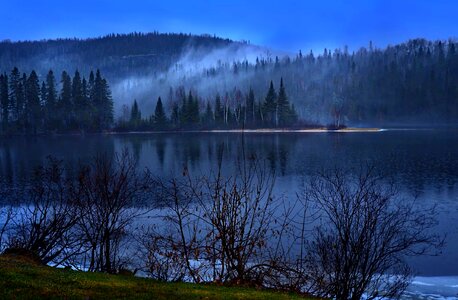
x=249, y=131
x=261, y=130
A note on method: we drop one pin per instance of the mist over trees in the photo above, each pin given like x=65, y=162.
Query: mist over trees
x=193, y=113
x=116, y=54
x=30, y=107
x=410, y=83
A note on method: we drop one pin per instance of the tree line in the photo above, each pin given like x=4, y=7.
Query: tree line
x=414, y=82
x=409, y=83
x=405, y=84
x=275, y=111
x=28, y=107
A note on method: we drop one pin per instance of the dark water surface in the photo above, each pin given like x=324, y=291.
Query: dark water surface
x=423, y=162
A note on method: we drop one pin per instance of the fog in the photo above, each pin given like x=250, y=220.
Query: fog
x=204, y=72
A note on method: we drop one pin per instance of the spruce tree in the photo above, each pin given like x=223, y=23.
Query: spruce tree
x=15, y=95
x=78, y=100
x=102, y=101
x=160, y=119
x=4, y=101
x=33, y=107
x=107, y=113
x=65, y=111
x=270, y=107
x=283, y=107
x=135, y=116
x=50, y=104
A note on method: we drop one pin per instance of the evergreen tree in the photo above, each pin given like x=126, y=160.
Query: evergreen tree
x=78, y=100
x=135, y=116
x=101, y=101
x=4, y=101
x=283, y=107
x=16, y=94
x=160, y=119
x=33, y=106
x=50, y=104
x=270, y=107
x=65, y=109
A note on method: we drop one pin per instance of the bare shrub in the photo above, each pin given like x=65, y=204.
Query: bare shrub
x=44, y=225
x=7, y=214
x=218, y=228
x=108, y=189
x=364, y=235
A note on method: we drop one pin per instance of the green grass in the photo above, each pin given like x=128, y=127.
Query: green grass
x=21, y=278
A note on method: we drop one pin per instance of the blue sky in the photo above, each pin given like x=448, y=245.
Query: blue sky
x=282, y=25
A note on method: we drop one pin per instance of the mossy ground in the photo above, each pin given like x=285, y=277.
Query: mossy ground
x=22, y=278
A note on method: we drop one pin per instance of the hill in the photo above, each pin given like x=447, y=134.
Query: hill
x=118, y=55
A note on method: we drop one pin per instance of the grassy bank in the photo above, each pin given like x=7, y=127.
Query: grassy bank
x=21, y=278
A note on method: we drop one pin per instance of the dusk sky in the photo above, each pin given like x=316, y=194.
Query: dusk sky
x=282, y=25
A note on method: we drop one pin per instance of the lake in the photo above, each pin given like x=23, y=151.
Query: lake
x=423, y=162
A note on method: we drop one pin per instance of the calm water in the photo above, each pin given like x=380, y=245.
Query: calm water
x=424, y=163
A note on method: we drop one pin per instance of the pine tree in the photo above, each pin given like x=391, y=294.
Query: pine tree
x=160, y=119
x=78, y=100
x=102, y=101
x=270, y=106
x=65, y=107
x=4, y=101
x=50, y=104
x=32, y=103
x=16, y=94
x=107, y=113
x=135, y=116
x=283, y=107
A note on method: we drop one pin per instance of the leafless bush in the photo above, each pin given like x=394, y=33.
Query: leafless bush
x=44, y=225
x=7, y=214
x=108, y=189
x=218, y=228
x=365, y=233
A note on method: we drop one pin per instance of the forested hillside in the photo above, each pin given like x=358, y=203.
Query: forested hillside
x=208, y=82
x=118, y=55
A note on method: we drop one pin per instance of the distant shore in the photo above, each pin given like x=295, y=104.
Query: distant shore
x=259, y=130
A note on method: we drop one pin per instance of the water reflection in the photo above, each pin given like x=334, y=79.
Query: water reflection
x=419, y=160
x=424, y=163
